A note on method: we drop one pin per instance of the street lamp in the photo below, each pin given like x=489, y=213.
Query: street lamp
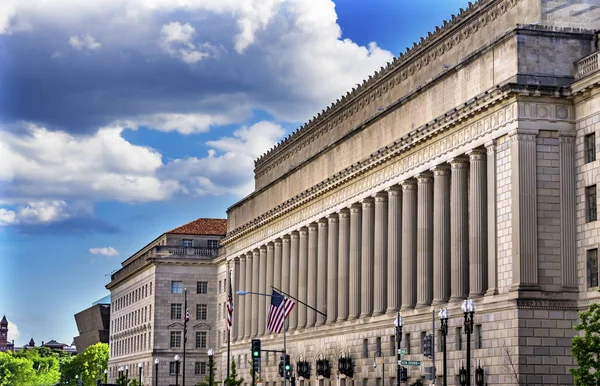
x=156, y=372
x=140, y=369
x=77, y=380
x=468, y=309
x=121, y=369
x=126, y=374
x=462, y=376
x=210, y=366
x=380, y=354
x=398, y=325
x=443, y=314
x=479, y=375
x=176, y=369
x=105, y=375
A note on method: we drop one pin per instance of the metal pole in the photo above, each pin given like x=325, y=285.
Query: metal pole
x=184, y=334
x=176, y=373
x=444, y=329
x=140, y=378
x=433, y=347
x=155, y=373
x=284, y=354
x=296, y=299
x=253, y=375
x=399, y=356
x=210, y=370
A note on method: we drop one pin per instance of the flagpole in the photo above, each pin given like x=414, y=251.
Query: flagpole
x=284, y=352
x=184, y=333
x=299, y=301
x=229, y=329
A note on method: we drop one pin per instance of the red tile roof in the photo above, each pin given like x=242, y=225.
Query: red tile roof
x=203, y=226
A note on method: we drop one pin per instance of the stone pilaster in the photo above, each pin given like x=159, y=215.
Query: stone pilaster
x=277, y=275
x=459, y=230
x=285, y=264
x=492, y=217
x=236, y=298
x=524, y=211
x=295, y=275
x=355, y=263
x=394, y=252
x=302, y=275
x=568, y=225
x=311, y=286
x=409, y=243
x=477, y=223
x=241, y=301
x=424, y=239
x=441, y=234
x=262, y=288
x=367, y=261
x=255, y=288
x=321, y=295
x=381, y=246
x=343, y=265
x=332, y=268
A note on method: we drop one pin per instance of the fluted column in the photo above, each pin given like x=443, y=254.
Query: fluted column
x=492, y=218
x=302, y=275
x=236, y=299
x=367, y=261
x=269, y=280
x=262, y=288
x=255, y=288
x=459, y=230
x=477, y=223
x=409, y=243
x=381, y=246
x=285, y=264
x=277, y=274
x=321, y=287
x=568, y=225
x=241, y=303
x=441, y=234
x=311, y=287
x=332, y=268
x=355, y=263
x=295, y=274
x=394, y=252
x=343, y=265
x=524, y=211
x=425, y=239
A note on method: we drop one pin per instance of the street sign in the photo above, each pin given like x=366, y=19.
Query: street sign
x=410, y=363
x=403, y=351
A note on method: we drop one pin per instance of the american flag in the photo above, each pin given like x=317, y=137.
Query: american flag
x=229, y=306
x=279, y=310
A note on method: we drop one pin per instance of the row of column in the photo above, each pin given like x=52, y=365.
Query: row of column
x=419, y=243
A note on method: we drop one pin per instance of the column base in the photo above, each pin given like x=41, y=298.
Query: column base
x=377, y=313
x=524, y=287
x=492, y=292
x=437, y=302
x=476, y=295
x=352, y=317
x=408, y=307
x=392, y=310
x=340, y=320
x=420, y=306
x=454, y=299
x=365, y=315
x=570, y=288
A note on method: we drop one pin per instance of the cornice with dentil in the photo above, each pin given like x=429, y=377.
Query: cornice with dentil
x=486, y=125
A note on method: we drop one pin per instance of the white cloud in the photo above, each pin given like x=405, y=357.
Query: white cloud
x=7, y=217
x=13, y=331
x=42, y=212
x=84, y=42
x=104, y=251
x=178, y=40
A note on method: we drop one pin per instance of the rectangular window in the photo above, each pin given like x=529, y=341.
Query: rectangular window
x=200, y=339
x=176, y=287
x=176, y=311
x=590, y=147
x=377, y=344
x=407, y=343
x=172, y=367
x=393, y=345
x=201, y=287
x=201, y=311
x=365, y=350
x=458, y=338
x=187, y=243
x=200, y=368
x=592, y=264
x=591, y=203
x=175, y=339
x=478, y=337
x=213, y=243
x=423, y=335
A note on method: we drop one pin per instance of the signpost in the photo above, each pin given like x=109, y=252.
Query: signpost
x=403, y=351
x=410, y=363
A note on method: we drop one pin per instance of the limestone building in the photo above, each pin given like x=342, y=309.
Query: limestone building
x=466, y=168
x=147, y=304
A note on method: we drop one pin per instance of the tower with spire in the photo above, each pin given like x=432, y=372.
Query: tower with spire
x=4, y=346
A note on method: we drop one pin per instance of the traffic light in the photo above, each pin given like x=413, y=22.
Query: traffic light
x=403, y=375
x=428, y=346
x=287, y=367
x=255, y=348
x=281, y=366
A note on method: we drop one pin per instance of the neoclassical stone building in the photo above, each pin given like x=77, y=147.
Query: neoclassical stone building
x=466, y=168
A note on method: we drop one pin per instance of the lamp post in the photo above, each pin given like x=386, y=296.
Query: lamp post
x=140, y=369
x=77, y=380
x=121, y=369
x=126, y=374
x=468, y=309
x=380, y=354
x=210, y=366
x=156, y=372
x=443, y=314
x=105, y=375
x=176, y=369
x=398, y=325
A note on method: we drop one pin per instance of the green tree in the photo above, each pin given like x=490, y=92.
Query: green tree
x=28, y=369
x=88, y=365
x=586, y=347
x=232, y=379
x=211, y=370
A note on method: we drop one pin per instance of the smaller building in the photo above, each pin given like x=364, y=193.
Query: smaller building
x=93, y=324
x=4, y=344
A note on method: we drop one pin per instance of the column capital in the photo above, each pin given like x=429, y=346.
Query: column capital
x=249, y=255
x=477, y=154
x=294, y=234
x=368, y=202
x=394, y=190
x=424, y=178
x=285, y=239
x=459, y=163
x=523, y=135
x=355, y=208
x=263, y=248
x=242, y=258
x=410, y=184
x=277, y=242
x=344, y=213
x=381, y=196
x=323, y=222
x=566, y=137
x=256, y=251
x=441, y=170
x=333, y=218
x=313, y=226
x=491, y=146
x=303, y=231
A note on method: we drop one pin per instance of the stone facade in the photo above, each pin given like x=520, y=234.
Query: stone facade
x=457, y=171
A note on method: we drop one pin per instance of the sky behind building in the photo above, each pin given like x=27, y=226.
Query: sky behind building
x=121, y=121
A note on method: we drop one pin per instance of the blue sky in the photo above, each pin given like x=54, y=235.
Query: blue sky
x=122, y=121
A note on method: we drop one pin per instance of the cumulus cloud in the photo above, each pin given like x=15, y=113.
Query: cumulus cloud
x=178, y=40
x=84, y=42
x=104, y=251
x=13, y=331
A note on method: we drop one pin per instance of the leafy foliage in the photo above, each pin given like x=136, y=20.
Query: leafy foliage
x=232, y=379
x=28, y=368
x=586, y=348
x=89, y=364
x=206, y=381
